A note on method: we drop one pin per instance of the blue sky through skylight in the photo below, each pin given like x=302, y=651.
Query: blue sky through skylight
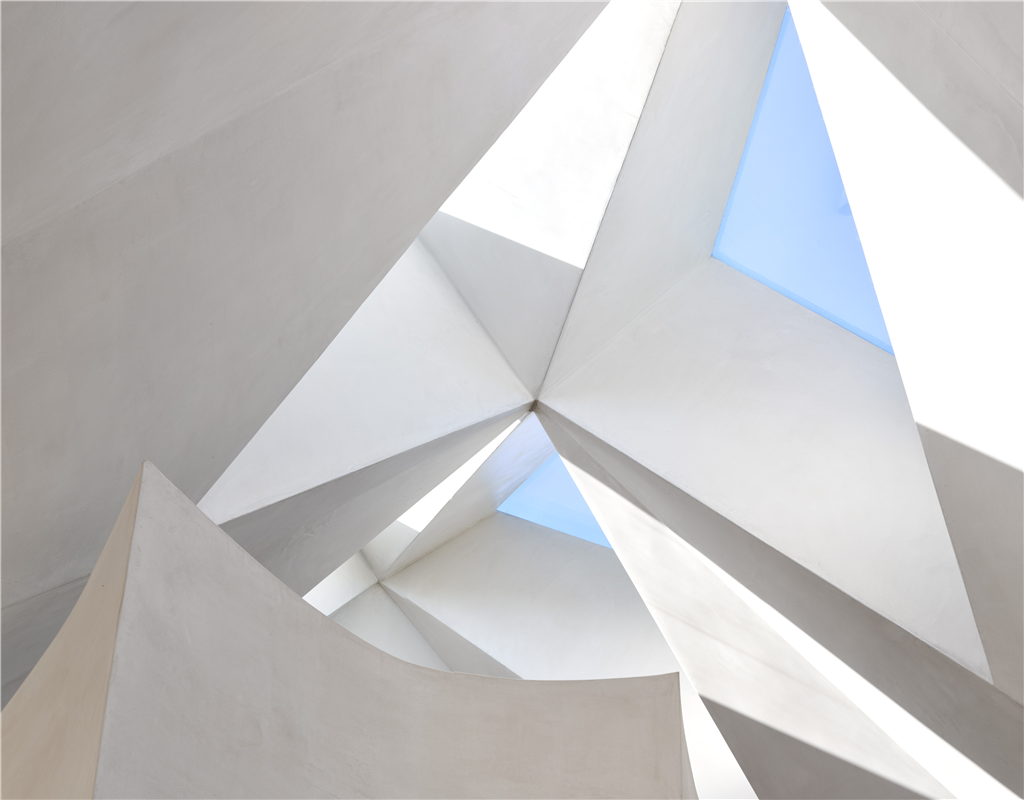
x=550, y=498
x=788, y=223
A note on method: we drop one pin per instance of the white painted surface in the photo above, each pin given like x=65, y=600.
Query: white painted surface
x=497, y=478
x=716, y=773
x=382, y=550
x=102, y=92
x=972, y=715
x=411, y=365
x=547, y=605
x=663, y=217
x=735, y=658
x=303, y=538
x=962, y=776
x=346, y=582
x=520, y=296
x=794, y=429
x=460, y=654
x=943, y=237
x=546, y=181
x=553, y=607
x=374, y=618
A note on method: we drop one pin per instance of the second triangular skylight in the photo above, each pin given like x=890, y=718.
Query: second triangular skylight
x=550, y=498
x=788, y=223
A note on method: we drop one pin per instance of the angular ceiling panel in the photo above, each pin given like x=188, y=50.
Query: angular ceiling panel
x=545, y=605
x=810, y=772
x=490, y=485
x=413, y=364
x=962, y=60
x=303, y=538
x=374, y=618
x=458, y=653
x=520, y=296
x=793, y=428
x=734, y=658
x=971, y=714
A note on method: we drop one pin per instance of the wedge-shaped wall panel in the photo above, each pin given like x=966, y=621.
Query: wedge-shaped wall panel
x=460, y=654
x=983, y=503
x=412, y=365
x=520, y=296
x=733, y=658
x=545, y=604
x=53, y=728
x=971, y=714
x=304, y=538
x=793, y=428
x=29, y=627
x=291, y=705
x=810, y=773
x=374, y=618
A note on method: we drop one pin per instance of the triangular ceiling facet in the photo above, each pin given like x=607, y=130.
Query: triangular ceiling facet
x=521, y=296
x=788, y=223
x=413, y=364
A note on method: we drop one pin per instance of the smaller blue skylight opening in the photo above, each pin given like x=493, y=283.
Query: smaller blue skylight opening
x=788, y=223
x=549, y=497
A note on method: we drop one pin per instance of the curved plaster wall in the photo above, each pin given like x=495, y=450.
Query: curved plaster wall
x=188, y=670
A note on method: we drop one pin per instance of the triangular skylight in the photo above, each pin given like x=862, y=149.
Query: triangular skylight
x=788, y=223
x=550, y=498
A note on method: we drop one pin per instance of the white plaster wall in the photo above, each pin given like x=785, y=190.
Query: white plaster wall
x=374, y=618
x=733, y=657
x=549, y=606
x=794, y=429
x=289, y=704
x=974, y=716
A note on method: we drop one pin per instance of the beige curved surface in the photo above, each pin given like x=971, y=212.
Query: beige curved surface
x=223, y=682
